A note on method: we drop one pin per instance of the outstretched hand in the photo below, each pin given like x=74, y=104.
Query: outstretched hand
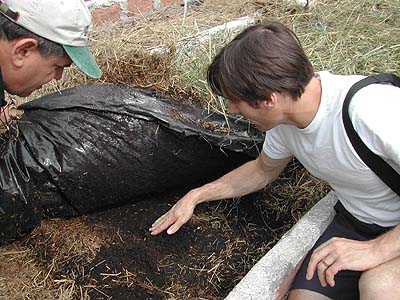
x=339, y=254
x=178, y=215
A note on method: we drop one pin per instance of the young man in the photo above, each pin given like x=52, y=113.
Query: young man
x=266, y=77
x=38, y=39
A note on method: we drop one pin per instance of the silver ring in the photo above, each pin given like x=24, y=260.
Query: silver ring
x=325, y=264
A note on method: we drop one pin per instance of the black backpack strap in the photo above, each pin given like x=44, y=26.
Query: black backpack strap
x=381, y=168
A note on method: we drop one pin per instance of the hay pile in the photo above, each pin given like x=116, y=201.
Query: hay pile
x=124, y=49
x=345, y=37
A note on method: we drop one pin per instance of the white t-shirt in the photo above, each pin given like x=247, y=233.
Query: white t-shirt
x=325, y=150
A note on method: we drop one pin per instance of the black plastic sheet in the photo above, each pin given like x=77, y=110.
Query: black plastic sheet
x=100, y=146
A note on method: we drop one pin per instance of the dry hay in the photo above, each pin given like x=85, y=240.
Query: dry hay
x=32, y=269
x=123, y=50
x=350, y=37
x=346, y=37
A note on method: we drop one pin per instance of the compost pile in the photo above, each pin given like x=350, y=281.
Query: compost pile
x=100, y=146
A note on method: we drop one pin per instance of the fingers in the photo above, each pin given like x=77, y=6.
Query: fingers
x=316, y=258
x=322, y=268
x=157, y=226
x=326, y=263
x=175, y=227
x=163, y=223
x=330, y=273
x=326, y=271
x=178, y=215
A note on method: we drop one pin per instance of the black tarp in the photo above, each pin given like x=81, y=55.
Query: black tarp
x=99, y=146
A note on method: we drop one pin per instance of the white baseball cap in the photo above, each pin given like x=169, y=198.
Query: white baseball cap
x=65, y=22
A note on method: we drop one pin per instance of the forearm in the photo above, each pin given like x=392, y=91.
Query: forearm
x=248, y=178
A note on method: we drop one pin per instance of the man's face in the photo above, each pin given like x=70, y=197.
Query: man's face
x=36, y=71
x=261, y=116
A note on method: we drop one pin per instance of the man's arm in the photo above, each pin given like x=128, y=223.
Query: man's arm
x=248, y=178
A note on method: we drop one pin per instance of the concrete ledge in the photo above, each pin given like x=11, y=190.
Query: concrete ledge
x=263, y=280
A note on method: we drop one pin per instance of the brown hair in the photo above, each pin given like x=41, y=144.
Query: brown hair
x=262, y=59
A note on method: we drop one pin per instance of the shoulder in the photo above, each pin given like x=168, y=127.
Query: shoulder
x=337, y=79
x=376, y=103
x=335, y=87
x=374, y=111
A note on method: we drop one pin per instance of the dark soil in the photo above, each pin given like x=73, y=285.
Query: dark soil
x=203, y=260
x=136, y=265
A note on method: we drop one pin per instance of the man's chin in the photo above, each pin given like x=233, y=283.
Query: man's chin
x=18, y=93
x=261, y=128
x=23, y=93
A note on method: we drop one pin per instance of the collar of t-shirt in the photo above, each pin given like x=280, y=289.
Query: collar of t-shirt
x=316, y=121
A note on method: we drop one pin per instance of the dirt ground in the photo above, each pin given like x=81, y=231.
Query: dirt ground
x=111, y=254
x=202, y=261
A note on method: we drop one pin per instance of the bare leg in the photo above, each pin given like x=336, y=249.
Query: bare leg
x=306, y=295
x=287, y=281
x=382, y=282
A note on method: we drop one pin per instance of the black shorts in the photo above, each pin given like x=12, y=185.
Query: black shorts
x=346, y=282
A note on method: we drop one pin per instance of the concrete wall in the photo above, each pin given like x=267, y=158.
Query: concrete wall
x=109, y=11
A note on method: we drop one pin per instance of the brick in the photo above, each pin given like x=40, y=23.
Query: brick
x=139, y=6
x=106, y=14
x=169, y=2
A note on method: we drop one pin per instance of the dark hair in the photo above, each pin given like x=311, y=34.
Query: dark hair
x=262, y=59
x=11, y=31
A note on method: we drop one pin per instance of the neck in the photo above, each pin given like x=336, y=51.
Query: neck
x=305, y=108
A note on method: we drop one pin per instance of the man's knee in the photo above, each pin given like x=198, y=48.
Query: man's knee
x=382, y=280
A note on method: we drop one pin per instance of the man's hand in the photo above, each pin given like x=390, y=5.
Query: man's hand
x=339, y=254
x=178, y=215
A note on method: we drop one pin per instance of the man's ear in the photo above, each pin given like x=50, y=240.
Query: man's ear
x=271, y=101
x=22, y=49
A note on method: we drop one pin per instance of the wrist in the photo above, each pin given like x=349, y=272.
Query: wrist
x=203, y=194
x=386, y=246
x=195, y=196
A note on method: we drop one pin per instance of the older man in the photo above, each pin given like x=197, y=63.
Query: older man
x=38, y=39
